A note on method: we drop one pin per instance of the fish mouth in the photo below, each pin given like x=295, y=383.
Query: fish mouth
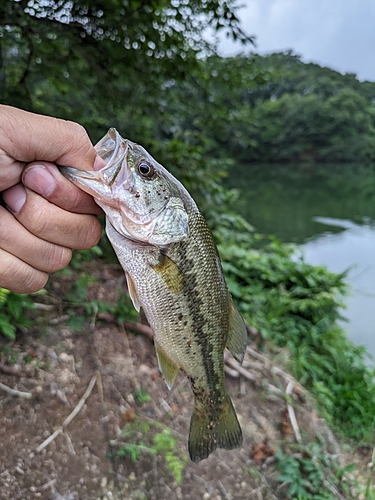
x=112, y=148
x=106, y=184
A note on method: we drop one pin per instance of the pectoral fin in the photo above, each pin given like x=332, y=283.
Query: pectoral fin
x=237, y=334
x=168, y=368
x=133, y=292
x=170, y=273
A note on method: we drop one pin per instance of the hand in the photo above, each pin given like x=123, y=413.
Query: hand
x=45, y=216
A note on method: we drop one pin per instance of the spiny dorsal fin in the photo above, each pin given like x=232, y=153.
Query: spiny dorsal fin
x=133, y=292
x=237, y=334
x=170, y=273
x=168, y=368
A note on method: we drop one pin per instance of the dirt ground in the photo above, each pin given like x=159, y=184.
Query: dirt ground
x=55, y=365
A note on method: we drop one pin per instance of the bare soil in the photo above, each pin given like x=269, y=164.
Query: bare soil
x=56, y=364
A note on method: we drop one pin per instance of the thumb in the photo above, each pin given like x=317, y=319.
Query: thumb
x=45, y=179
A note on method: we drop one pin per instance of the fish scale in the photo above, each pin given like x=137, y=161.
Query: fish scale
x=174, y=273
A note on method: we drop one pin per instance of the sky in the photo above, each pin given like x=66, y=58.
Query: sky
x=339, y=34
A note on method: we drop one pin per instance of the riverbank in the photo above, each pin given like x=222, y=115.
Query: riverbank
x=61, y=354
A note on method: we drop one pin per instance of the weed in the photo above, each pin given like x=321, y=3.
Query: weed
x=311, y=473
x=141, y=396
x=146, y=441
x=9, y=355
x=81, y=256
x=12, y=308
x=295, y=305
x=77, y=297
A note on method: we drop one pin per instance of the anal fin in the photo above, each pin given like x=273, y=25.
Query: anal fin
x=237, y=334
x=168, y=368
x=133, y=292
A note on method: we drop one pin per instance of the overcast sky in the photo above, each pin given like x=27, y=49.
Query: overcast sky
x=339, y=34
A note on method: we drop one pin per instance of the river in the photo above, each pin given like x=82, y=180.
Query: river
x=330, y=211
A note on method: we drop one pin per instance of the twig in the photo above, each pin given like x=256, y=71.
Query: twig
x=70, y=444
x=234, y=364
x=334, y=490
x=231, y=372
x=140, y=327
x=223, y=490
x=9, y=370
x=254, y=365
x=67, y=421
x=292, y=415
x=43, y=307
x=99, y=381
x=14, y=392
x=256, y=354
x=48, y=485
x=274, y=369
x=278, y=371
x=60, y=319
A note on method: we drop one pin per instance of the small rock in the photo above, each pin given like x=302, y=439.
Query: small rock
x=144, y=369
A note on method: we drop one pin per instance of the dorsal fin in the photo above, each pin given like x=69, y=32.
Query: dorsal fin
x=237, y=334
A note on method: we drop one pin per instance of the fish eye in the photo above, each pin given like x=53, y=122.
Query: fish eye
x=145, y=169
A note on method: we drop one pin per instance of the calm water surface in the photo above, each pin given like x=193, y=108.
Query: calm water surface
x=330, y=211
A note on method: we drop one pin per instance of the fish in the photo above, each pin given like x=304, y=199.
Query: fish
x=173, y=271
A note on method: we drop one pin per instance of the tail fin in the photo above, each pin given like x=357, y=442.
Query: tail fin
x=206, y=434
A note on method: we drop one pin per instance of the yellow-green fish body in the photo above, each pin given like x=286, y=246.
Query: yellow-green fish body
x=174, y=273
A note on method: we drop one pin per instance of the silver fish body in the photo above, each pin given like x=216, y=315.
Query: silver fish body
x=174, y=273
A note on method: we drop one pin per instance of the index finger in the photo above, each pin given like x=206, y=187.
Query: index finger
x=26, y=137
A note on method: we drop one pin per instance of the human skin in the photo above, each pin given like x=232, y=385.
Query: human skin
x=43, y=216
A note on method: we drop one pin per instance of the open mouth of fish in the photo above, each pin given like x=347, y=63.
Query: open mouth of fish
x=104, y=184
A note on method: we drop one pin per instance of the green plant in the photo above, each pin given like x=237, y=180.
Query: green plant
x=12, y=308
x=296, y=306
x=310, y=473
x=77, y=298
x=146, y=441
x=141, y=396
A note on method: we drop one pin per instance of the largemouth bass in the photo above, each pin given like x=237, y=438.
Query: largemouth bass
x=174, y=273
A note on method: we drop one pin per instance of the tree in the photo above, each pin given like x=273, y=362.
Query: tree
x=107, y=52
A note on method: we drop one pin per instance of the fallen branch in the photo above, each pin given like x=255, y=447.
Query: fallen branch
x=14, y=392
x=231, y=372
x=67, y=421
x=141, y=328
x=292, y=415
x=257, y=355
x=9, y=370
x=242, y=371
x=223, y=490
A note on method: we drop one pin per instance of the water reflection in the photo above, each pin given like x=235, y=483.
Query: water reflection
x=286, y=199
x=352, y=249
x=330, y=210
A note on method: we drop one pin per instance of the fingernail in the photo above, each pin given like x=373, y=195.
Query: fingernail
x=39, y=179
x=15, y=198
